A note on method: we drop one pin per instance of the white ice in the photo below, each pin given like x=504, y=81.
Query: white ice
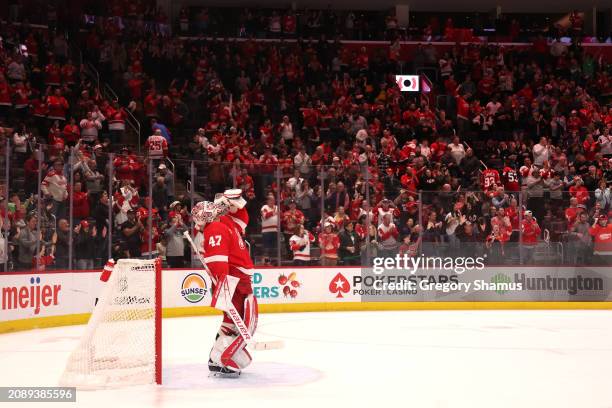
x=419, y=359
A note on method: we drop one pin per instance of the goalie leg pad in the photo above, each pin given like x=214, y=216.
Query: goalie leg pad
x=229, y=350
x=251, y=313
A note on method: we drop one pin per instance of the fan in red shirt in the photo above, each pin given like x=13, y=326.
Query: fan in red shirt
x=510, y=179
x=53, y=74
x=411, y=116
x=329, y=244
x=409, y=180
x=530, y=232
x=438, y=149
x=363, y=60
x=601, y=231
x=57, y=105
x=152, y=230
x=579, y=191
x=572, y=212
x=80, y=203
x=489, y=179
x=311, y=116
x=55, y=140
x=150, y=104
x=289, y=23
x=291, y=219
x=125, y=165
x=72, y=132
x=486, y=85
x=267, y=162
x=590, y=147
x=5, y=92
x=68, y=71
x=574, y=123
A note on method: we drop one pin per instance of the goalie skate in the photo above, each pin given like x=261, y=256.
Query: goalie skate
x=220, y=371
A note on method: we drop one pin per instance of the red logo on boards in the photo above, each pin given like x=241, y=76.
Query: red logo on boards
x=290, y=284
x=339, y=285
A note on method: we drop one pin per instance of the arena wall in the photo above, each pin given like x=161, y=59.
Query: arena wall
x=31, y=300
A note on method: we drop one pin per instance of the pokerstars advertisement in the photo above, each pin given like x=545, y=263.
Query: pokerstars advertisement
x=305, y=285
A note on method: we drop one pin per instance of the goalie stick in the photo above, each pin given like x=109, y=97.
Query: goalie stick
x=231, y=309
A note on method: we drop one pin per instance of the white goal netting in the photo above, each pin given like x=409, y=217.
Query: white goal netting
x=122, y=342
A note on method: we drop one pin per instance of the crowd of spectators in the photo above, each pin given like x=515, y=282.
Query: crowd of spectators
x=509, y=154
x=267, y=23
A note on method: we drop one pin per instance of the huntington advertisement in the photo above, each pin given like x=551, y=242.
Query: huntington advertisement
x=468, y=279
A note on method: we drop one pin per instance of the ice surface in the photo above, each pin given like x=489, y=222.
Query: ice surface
x=356, y=359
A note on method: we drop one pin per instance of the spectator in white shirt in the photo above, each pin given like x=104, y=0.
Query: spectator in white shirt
x=286, y=129
x=303, y=162
x=269, y=225
x=457, y=150
x=89, y=128
x=541, y=152
x=605, y=142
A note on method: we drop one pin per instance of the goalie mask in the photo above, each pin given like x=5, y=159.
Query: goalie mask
x=204, y=213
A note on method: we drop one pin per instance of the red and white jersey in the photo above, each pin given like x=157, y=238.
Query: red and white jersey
x=301, y=246
x=602, y=238
x=387, y=235
x=269, y=218
x=380, y=213
x=55, y=185
x=156, y=146
x=510, y=178
x=490, y=179
x=225, y=252
x=329, y=244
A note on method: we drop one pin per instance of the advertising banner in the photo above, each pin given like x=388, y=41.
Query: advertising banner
x=25, y=296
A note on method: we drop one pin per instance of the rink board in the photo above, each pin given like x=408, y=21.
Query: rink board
x=36, y=300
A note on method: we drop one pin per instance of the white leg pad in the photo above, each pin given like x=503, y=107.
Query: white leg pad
x=251, y=313
x=228, y=337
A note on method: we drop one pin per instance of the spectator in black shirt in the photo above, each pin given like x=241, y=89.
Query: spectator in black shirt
x=130, y=234
x=85, y=245
x=349, y=245
x=100, y=212
x=61, y=244
x=160, y=196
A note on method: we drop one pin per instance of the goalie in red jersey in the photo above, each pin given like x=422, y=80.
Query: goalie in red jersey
x=226, y=255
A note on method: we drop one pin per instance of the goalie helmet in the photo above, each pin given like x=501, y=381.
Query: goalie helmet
x=204, y=213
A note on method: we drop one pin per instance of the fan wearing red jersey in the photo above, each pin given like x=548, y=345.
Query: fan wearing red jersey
x=490, y=180
x=226, y=254
x=510, y=179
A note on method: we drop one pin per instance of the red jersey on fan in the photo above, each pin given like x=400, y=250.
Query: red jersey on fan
x=329, y=244
x=156, y=146
x=510, y=179
x=489, y=179
x=438, y=149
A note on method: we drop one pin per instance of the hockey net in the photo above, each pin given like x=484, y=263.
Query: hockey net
x=122, y=343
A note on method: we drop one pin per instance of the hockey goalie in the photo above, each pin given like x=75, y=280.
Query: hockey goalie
x=226, y=255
